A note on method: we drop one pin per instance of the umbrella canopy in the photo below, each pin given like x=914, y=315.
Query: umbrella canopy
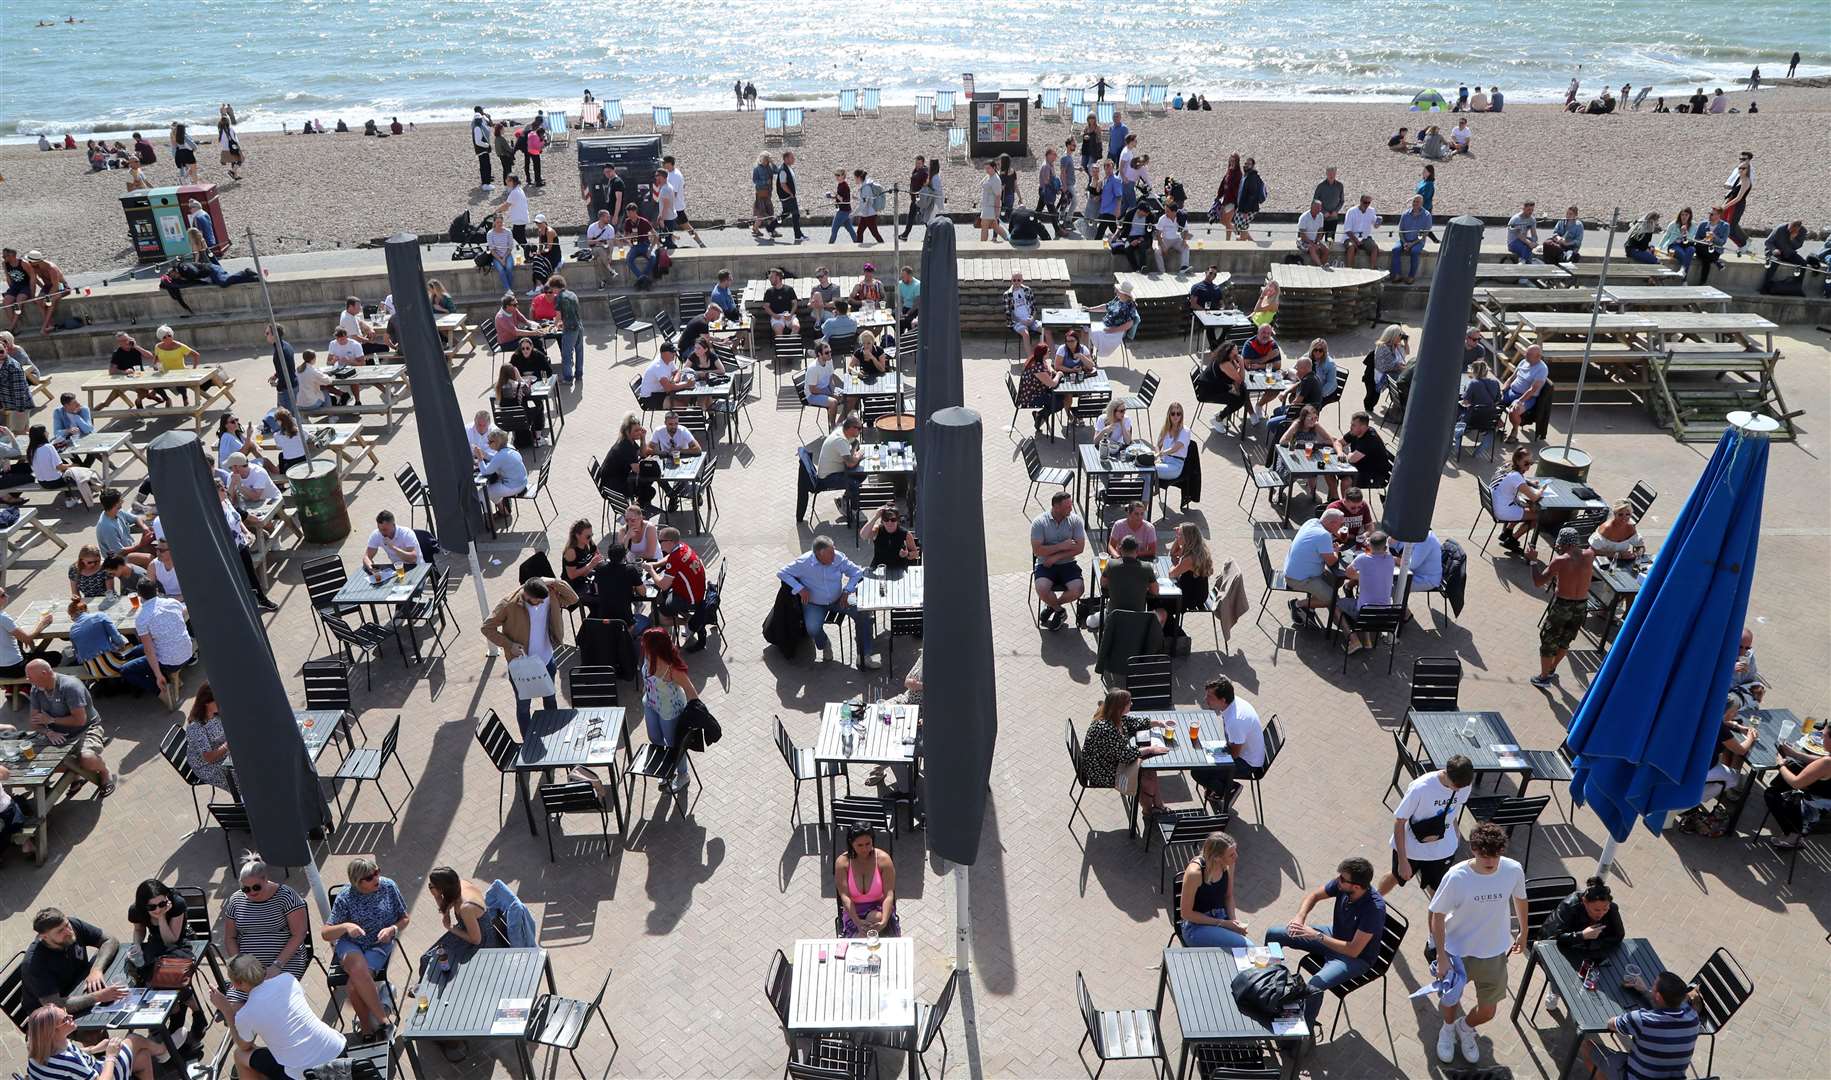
x=1643, y=737
x=959, y=701
x=456, y=512
x=1428, y=101
x=1430, y=409
x=272, y=769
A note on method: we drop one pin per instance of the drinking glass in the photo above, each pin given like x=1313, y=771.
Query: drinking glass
x=1635, y=978
x=1468, y=728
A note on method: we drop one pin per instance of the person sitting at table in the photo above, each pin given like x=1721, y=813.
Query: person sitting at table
x=1304, y=390
x=1348, y=942
x=249, y=486
x=87, y=579
x=661, y=378
x=51, y=1055
x=1371, y=573
x=721, y=298
x=818, y=381
x=515, y=388
x=165, y=575
x=206, y=747
x=1191, y=565
x=1021, y=313
x=1307, y=565
x=1036, y=385
x=401, y=546
x=870, y=358
x=316, y=386
x=1205, y=918
x=1114, y=428
x=530, y=359
x=1109, y=749
x=700, y=325
x=1057, y=537
x=462, y=908
x=702, y=360
x=477, y=435
x=273, y=1009
x=1529, y=379
x=17, y=645
x=1308, y=431
x=1746, y=682
x=372, y=338
x=60, y=970
x=1173, y=446
x=1483, y=391
x=1118, y=321
x=1133, y=526
x=158, y=916
x=621, y=470
x=836, y=464
x=1073, y=356
x=505, y=474
x=1131, y=583
x=365, y=920
x=1662, y=1038
x=1516, y=503
x=821, y=296
x=670, y=438
x=892, y=546
x=53, y=473
x=1221, y=380
x=1617, y=537
x=840, y=323
x=130, y=358
x=266, y=920
x=826, y=581
x=71, y=421
x=638, y=535
x=580, y=559
x=1208, y=294
x=867, y=887
x=679, y=581
x=1357, y=516
x=1586, y=925
x=614, y=587
x=96, y=643
x=1798, y=794
x=63, y=711
x=512, y=326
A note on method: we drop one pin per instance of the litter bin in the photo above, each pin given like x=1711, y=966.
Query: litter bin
x=206, y=194
x=168, y=219
x=317, y=495
x=142, y=231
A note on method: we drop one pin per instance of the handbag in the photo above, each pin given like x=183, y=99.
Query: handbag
x=172, y=972
x=1264, y=993
x=530, y=677
x=1431, y=828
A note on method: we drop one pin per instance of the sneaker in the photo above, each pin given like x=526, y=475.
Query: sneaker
x=1466, y=1036
x=1218, y=424
x=1553, y=1001
x=826, y=655
x=871, y=662
x=1446, y=1044
x=1544, y=682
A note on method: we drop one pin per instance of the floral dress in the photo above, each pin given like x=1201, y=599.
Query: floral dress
x=200, y=739
x=1106, y=748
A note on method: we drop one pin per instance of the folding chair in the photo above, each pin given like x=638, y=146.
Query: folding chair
x=557, y=129
x=1147, y=677
x=613, y=114
x=1103, y=114
x=848, y=104
x=791, y=120
x=560, y=1022
x=662, y=116
x=1157, y=97
x=1078, y=113
x=871, y=101
x=1134, y=96
x=944, y=105
x=956, y=141
x=925, y=109
x=1052, y=102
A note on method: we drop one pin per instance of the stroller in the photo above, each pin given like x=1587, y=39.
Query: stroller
x=468, y=238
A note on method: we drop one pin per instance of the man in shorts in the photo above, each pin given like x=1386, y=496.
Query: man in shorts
x=676, y=186
x=1572, y=567
x=1057, y=538
x=1424, y=838
x=1357, y=233
x=18, y=286
x=1470, y=921
x=1311, y=225
x=779, y=299
x=1021, y=313
x=1307, y=565
x=63, y=711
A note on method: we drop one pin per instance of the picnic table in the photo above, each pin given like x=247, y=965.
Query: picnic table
x=1093, y=466
x=347, y=441
x=1440, y=738
x=25, y=531
x=104, y=445
x=206, y=386
x=489, y=995
x=388, y=380
x=457, y=334
x=884, y=735
x=38, y=782
x=120, y=609
x=566, y=739
x=1200, y=982
x=1496, y=308
x=1692, y=297
x=1590, y=1010
x=1294, y=465
x=1544, y=273
x=1713, y=332
x=1624, y=269
x=832, y=990
x=1620, y=336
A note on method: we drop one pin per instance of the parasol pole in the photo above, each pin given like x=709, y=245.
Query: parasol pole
x=1589, y=340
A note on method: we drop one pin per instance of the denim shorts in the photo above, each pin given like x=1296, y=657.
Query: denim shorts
x=376, y=955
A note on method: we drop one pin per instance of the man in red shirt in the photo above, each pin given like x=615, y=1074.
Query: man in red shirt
x=1356, y=515
x=680, y=579
x=638, y=231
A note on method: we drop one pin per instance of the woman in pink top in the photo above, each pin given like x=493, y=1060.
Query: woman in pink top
x=867, y=887
x=537, y=141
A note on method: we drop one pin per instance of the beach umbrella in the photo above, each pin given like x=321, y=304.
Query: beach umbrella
x=938, y=375
x=273, y=772
x=1430, y=407
x=1643, y=737
x=457, y=514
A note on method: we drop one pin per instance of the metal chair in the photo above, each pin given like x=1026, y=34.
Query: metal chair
x=1118, y=1034
x=921, y=1036
x=364, y=640
x=429, y=610
x=1406, y=765
x=1510, y=812
x=1482, y=421
x=1375, y=619
x=364, y=766
x=327, y=687
x=230, y=817
x=623, y=315
x=199, y=927
x=324, y=578
x=1182, y=837
x=1722, y=987
x=665, y=330
x=1213, y=1062
x=560, y=1022
x=1147, y=676
x=1140, y=402
x=1641, y=499
x=1543, y=895
x=1077, y=784
x=1551, y=766
x=593, y=687
x=418, y=498
x=1486, y=494
x=502, y=750
x=1274, y=580
x=1273, y=737
x=802, y=766
x=335, y=978
x=1040, y=475
x=1435, y=681
x=12, y=991
x=1260, y=478
x=869, y=811
x=173, y=749
x=615, y=502
x=575, y=797
x=538, y=485
x=1390, y=940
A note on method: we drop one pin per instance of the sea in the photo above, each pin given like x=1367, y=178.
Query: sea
x=127, y=64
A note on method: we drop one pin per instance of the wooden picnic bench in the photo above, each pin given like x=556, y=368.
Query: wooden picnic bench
x=24, y=532
x=205, y=388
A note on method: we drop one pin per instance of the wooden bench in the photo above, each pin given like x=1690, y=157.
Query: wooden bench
x=25, y=532
x=17, y=688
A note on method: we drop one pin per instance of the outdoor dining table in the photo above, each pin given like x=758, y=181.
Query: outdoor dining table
x=1167, y=588
x=1063, y=318
x=1269, y=380
x=685, y=476
x=1772, y=728
x=450, y=327
x=1590, y=1010
x=104, y=445
x=1235, y=324
x=888, y=384
x=890, y=589
x=1559, y=502
x=1544, y=273
x=1295, y=465
x=884, y=735
x=38, y=783
x=1200, y=982
x=346, y=441
x=892, y=459
x=741, y=327
x=122, y=610
x=389, y=381
x=1492, y=747
x=563, y=739
x=1094, y=466
x=143, y=1010
x=552, y=405
x=1622, y=580
x=833, y=990
x=488, y=995
x=380, y=597
x=1171, y=728
x=1694, y=297
x=206, y=386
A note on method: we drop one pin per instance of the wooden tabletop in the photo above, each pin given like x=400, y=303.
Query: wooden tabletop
x=1620, y=269
x=1531, y=271
x=1036, y=271
x=1441, y=736
x=41, y=771
x=1157, y=286
x=120, y=609
x=1520, y=295
x=562, y=738
x=886, y=589
x=449, y=322
x=375, y=375
x=362, y=589
x=1665, y=294
x=181, y=379
x=1577, y=322
x=873, y=741
x=341, y=434
x=1293, y=276
x=101, y=442
x=1710, y=322
x=465, y=1004
x=1185, y=753
x=824, y=995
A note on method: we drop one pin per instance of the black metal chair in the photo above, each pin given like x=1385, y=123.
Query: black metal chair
x=869, y=811
x=362, y=641
x=623, y=315
x=1274, y=580
x=1118, y=1034
x=502, y=750
x=12, y=991
x=231, y=817
x=654, y=762
x=418, y=498
x=1259, y=477
x=429, y=611
x=1040, y=475
x=1543, y=895
x=1722, y=988
x=1147, y=677
x=1486, y=495
x=327, y=687
x=538, y=484
x=364, y=766
x=1375, y=619
x=335, y=978
x=831, y=1059
x=1182, y=837
x=802, y=766
x=1388, y=948
x=1140, y=402
x=1641, y=499
x=173, y=749
x=198, y=927
x=1273, y=737
x=929, y=1019
x=1078, y=785
x=324, y=578
x=1215, y=1062
x=1552, y=766
x=560, y=1022
x=1407, y=765
x=593, y=687
x=1435, y=681
x=1483, y=422
x=573, y=797
x=615, y=502
x=1510, y=812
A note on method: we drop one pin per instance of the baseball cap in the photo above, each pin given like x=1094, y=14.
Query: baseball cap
x=540, y=219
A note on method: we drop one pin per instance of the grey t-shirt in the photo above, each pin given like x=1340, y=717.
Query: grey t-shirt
x=66, y=695
x=1044, y=529
x=10, y=656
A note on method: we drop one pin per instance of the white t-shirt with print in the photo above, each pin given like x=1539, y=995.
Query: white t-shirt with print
x=1426, y=797
x=1479, y=908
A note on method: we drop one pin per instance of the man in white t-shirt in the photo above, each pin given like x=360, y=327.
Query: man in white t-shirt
x=249, y=484
x=661, y=378
x=276, y=1013
x=1172, y=236
x=1357, y=232
x=677, y=187
x=1245, y=739
x=400, y=545
x=478, y=436
x=344, y=349
x=601, y=240
x=1471, y=920
x=372, y=338
x=1424, y=838
x=1309, y=234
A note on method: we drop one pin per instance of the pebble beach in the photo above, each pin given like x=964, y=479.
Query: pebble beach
x=303, y=193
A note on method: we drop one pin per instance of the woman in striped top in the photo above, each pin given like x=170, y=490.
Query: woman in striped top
x=266, y=920
x=52, y=1056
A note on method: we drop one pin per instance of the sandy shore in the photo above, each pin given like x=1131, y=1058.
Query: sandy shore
x=310, y=193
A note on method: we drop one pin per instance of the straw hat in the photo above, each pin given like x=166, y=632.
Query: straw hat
x=1125, y=290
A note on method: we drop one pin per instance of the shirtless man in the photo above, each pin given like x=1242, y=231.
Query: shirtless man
x=50, y=286
x=1572, y=566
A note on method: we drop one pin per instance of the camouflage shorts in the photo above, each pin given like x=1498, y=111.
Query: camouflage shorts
x=1561, y=625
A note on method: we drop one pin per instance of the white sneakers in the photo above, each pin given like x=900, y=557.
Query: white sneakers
x=1466, y=1035
x=1458, y=1032
x=1446, y=1043
x=871, y=662
x=1218, y=423
x=1553, y=1001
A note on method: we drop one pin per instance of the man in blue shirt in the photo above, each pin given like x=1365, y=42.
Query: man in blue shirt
x=1664, y=1036
x=1306, y=567
x=721, y=295
x=1349, y=941
x=1115, y=137
x=1414, y=225
x=71, y=422
x=1112, y=192
x=200, y=220
x=825, y=581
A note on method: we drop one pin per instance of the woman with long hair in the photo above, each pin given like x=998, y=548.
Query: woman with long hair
x=1172, y=444
x=87, y=578
x=1113, y=428
x=158, y=916
x=514, y=387
x=1207, y=913
x=52, y=472
x=1266, y=309
x=1308, y=430
x=666, y=689
x=1678, y=240
x=289, y=438
x=462, y=909
x=50, y=1055
x=1227, y=195
x=580, y=557
x=227, y=142
x=1191, y=565
x=867, y=887
x=184, y=153
x=1108, y=748
x=206, y=747
x=1222, y=381
x=1036, y=387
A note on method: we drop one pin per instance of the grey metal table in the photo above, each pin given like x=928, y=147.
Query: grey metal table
x=1772, y=728
x=885, y=735
x=565, y=738
x=688, y=474
x=489, y=996
x=890, y=589
x=40, y=784
x=1200, y=982
x=887, y=459
x=391, y=591
x=1234, y=324
x=145, y=1011
x=1623, y=583
x=1064, y=318
x=1559, y=503
x=552, y=404
x=1590, y=1010
x=1185, y=752
x=1092, y=466
x=853, y=384
x=1440, y=734
x=827, y=995
x=1294, y=466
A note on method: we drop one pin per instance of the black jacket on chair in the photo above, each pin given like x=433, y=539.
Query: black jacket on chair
x=1191, y=479
x=783, y=627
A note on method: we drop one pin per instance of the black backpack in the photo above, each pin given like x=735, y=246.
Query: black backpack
x=1264, y=993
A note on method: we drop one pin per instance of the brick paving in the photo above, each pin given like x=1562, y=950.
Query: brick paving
x=686, y=915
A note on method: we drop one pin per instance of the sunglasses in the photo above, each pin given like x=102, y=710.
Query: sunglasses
x=159, y=905
x=252, y=889
x=370, y=877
